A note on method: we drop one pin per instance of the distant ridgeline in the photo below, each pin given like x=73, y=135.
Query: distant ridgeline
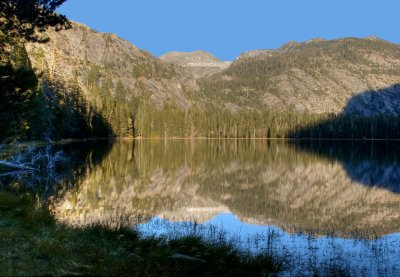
x=87, y=84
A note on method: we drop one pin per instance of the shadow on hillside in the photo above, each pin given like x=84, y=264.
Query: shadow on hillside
x=53, y=113
x=369, y=115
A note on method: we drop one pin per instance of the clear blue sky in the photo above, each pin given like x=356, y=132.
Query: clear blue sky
x=228, y=27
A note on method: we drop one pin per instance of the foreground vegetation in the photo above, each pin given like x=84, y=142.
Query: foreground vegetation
x=33, y=243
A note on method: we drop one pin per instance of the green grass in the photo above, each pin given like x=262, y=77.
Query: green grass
x=32, y=243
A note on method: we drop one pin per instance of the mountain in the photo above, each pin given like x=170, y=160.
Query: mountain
x=101, y=61
x=198, y=63
x=298, y=90
x=291, y=45
x=112, y=75
x=316, y=76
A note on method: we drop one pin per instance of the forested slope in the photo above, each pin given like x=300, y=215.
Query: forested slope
x=90, y=84
x=316, y=76
x=346, y=88
x=109, y=73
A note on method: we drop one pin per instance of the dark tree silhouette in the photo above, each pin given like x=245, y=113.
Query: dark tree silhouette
x=25, y=18
x=21, y=21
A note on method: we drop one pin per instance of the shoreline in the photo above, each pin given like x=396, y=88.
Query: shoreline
x=38, y=143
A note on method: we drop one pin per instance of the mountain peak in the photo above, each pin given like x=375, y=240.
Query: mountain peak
x=187, y=57
x=200, y=63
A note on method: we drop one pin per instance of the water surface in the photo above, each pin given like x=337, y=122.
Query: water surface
x=327, y=203
x=346, y=188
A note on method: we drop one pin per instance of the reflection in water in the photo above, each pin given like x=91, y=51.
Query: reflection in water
x=330, y=191
x=307, y=255
x=371, y=163
x=76, y=159
x=260, y=182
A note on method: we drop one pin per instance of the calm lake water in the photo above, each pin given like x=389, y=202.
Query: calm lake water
x=321, y=204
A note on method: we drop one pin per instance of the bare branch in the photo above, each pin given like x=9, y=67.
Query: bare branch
x=16, y=166
x=35, y=166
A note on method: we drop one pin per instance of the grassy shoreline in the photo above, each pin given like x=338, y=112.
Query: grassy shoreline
x=33, y=243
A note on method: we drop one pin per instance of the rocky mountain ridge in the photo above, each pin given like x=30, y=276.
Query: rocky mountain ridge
x=292, y=46
x=316, y=76
x=91, y=59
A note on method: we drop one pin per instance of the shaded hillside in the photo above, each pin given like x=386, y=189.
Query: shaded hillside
x=369, y=115
x=18, y=86
x=31, y=110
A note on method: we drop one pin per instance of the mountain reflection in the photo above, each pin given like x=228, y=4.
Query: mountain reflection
x=371, y=163
x=261, y=182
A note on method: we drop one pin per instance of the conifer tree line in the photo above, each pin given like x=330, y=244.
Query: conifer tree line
x=138, y=116
x=214, y=123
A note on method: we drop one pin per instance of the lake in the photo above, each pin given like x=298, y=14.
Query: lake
x=327, y=204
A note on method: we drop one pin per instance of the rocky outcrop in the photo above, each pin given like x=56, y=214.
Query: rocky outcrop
x=103, y=62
